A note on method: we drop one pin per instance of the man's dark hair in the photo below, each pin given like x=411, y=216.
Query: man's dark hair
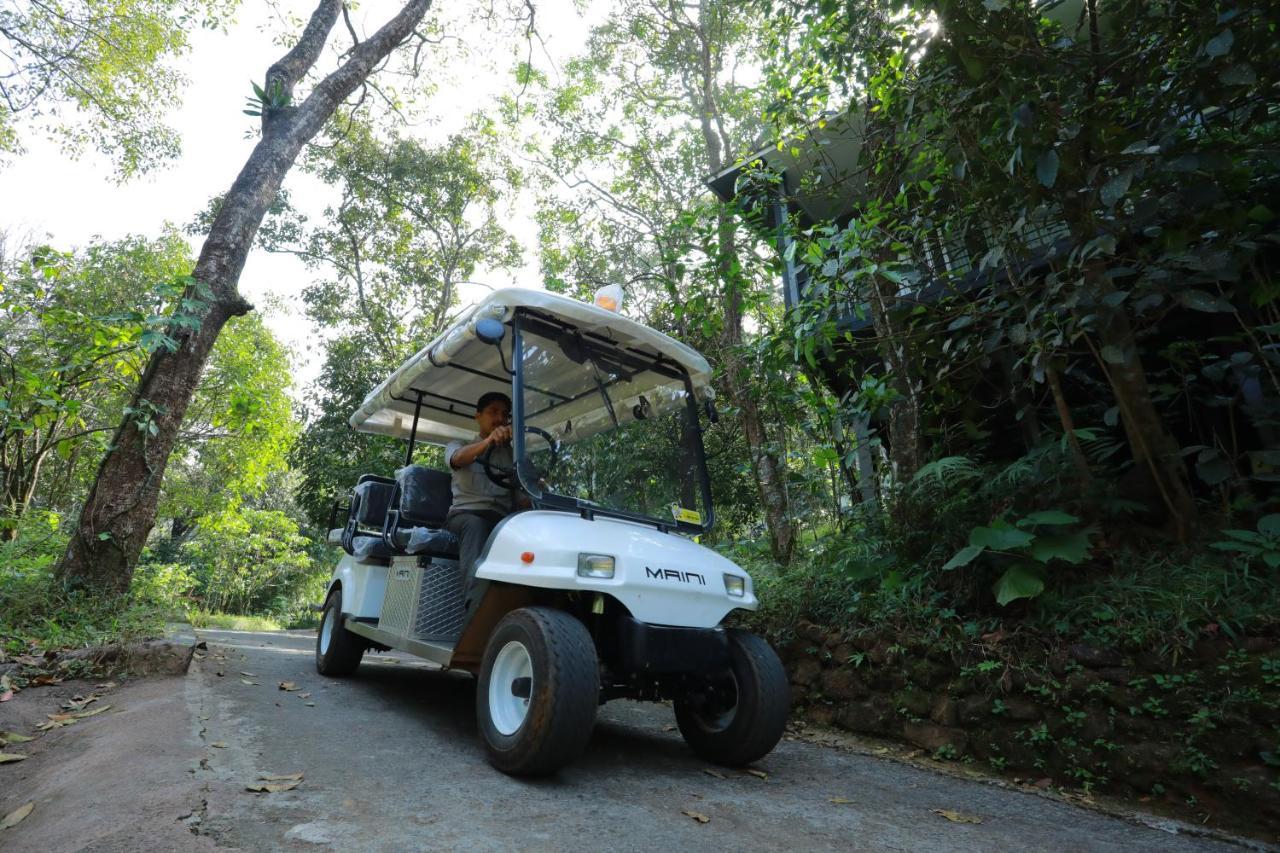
x=491, y=397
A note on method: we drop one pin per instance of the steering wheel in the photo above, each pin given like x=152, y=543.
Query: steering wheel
x=505, y=477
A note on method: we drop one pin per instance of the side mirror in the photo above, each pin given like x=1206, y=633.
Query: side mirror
x=712, y=414
x=490, y=331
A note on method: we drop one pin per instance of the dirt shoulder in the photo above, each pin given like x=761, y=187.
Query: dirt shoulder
x=121, y=779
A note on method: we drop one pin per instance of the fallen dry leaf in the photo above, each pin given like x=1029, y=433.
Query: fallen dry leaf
x=14, y=737
x=6, y=695
x=104, y=686
x=311, y=704
x=288, y=686
x=715, y=773
x=957, y=817
x=304, y=695
x=250, y=674
x=668, y=728
x=272, y=787
x=248, y=682
x=78, y=703
x=80, y=715
x=280, y=777
x=698, y=816
x=6, y=689
x=44, y=680
x=217, y=744
x=15, y=817
x=840, y=801
x=759, y=774
x=10, y=757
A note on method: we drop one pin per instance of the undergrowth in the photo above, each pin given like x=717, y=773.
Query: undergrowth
x=38, y=612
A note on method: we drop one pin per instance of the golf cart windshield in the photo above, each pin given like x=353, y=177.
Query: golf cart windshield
x=624, y=423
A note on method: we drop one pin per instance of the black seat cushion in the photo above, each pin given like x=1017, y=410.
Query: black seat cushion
x=425, y=495
x=373, y=498
x=370, y=548
x=426, y=540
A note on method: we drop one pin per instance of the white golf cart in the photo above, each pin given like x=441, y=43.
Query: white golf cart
x=600, y=591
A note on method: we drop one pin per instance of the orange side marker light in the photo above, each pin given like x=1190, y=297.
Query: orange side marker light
x=526, y=557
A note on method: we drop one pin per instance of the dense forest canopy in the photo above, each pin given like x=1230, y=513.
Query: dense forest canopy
x=1038, y=334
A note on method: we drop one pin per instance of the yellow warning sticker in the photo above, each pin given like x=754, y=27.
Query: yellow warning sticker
x=679, y=513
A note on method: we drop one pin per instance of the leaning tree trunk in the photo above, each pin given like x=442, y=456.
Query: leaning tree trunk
x=120, y=510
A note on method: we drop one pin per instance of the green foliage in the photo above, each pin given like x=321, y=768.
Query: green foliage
x=251, y=561
x=263, y=103
x=108, y=61
x=38, y=613
x=1263, y=543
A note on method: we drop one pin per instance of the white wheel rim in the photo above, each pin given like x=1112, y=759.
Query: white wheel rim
x=326, y=631
x=506, y=709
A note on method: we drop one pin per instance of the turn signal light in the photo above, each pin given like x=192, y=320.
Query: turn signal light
x=735, y=586
x=526, y=557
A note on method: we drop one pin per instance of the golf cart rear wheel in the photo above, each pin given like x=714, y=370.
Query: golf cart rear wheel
x=338, y=651
x=538, y=692
x=745, y=719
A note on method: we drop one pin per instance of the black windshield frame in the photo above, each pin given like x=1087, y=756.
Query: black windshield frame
x=525, y=470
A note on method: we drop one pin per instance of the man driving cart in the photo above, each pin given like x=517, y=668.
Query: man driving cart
x=478, y=502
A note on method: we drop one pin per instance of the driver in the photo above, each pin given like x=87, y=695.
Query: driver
x=478, y=502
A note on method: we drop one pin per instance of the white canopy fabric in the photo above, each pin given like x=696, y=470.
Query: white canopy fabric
x=455, y=369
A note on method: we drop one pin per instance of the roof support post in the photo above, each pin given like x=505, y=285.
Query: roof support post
x=413, y=433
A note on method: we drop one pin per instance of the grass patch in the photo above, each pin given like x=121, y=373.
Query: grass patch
x=232, y=621
x=38, y=613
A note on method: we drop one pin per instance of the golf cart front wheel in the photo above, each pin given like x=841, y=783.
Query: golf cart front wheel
x=338, y=651
x=538, y=692
x=743, y=719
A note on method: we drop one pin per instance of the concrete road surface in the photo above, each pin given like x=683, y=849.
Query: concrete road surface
x=393, y=762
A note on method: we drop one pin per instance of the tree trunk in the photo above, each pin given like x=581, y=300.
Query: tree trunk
x=769, y=471
x=904, y=411
x=1154, y=449
x=121, y=506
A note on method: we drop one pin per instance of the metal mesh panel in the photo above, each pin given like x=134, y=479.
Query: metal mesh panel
x=440, y=606
x=401, y=597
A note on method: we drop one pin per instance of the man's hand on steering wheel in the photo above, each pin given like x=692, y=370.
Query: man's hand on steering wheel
x=501, y=437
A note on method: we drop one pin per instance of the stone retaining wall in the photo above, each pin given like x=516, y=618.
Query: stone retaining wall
x=1201, y=731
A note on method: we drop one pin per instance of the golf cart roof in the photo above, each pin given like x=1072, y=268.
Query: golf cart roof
x=456, y=368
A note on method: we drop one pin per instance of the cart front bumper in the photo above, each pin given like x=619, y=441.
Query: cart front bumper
x=664, y=649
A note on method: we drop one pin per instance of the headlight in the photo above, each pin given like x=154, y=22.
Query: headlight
x=735, y=585
x=595, y=566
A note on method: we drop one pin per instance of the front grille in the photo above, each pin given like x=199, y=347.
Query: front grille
x=440, y=606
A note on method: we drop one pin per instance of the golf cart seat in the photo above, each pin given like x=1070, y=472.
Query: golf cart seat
x=419, y=505
x=369, y=501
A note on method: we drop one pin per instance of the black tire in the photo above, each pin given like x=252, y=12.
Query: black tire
x=563, y=692
x=752, y=725
x=342, y=654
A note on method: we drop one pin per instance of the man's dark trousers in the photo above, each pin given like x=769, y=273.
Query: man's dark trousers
x=472, y=527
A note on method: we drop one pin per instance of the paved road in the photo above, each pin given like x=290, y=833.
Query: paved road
x=392, y=762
